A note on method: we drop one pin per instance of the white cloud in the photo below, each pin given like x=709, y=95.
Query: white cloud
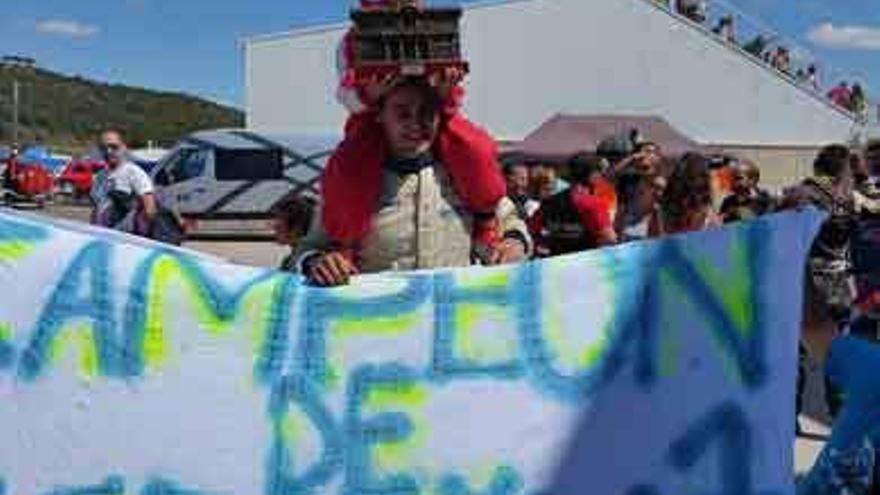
x=66, y=28
x=846, y=37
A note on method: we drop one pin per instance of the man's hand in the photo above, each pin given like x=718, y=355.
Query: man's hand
x=508, y=251
x=331, y=269
x=444, y=82
x=378, y=86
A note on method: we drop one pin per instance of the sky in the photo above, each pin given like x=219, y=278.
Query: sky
x=194, y=46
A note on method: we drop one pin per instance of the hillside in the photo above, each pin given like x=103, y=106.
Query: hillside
x=66, y=112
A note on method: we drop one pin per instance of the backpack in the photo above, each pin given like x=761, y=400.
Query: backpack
x=563, y=231
x=830, y=262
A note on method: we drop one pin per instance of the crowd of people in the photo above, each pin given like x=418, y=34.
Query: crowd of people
x=852, y=99
x=771, y=51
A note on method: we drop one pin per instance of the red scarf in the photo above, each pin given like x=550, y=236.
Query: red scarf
x=352, y=181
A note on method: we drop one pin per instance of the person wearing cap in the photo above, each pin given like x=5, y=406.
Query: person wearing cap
x=575, y=219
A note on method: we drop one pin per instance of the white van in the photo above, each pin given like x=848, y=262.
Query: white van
x=239, y=174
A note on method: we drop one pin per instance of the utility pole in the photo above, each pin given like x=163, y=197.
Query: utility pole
x=18, y=65
x=15, y=97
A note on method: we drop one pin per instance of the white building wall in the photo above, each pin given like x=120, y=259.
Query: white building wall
x=534, y=58
x=290, y=82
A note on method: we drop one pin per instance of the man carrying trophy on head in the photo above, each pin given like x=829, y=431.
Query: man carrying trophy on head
x=414, y=184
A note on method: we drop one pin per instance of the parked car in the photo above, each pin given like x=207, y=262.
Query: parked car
x=25, y=183
x=238, y=173
x=40, y=155
x=147, y=158
x=78, y=176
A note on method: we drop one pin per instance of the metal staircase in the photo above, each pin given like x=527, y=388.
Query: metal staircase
x=774, y=52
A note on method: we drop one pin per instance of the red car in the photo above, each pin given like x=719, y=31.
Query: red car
x=77, y=177
x=25, y=182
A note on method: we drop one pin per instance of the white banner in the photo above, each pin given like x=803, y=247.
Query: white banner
x=649, y=369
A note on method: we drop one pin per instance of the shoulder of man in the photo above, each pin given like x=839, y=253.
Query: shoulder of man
x=133, y=167
x=135, y=171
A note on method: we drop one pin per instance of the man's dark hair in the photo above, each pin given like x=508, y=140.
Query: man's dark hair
x=509, y=167
x=832, y=161
x=296, y=212
x=582, y=166
x=640, y=146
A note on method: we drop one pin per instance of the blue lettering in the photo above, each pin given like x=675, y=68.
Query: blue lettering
x=505, y=481
x=363, y=433
x=322, y=306
x=161, y=486
x=728, y=424
x=223, y=303
x=280, y=479
x=65, y=304
x=114, y=485
x=447, y=298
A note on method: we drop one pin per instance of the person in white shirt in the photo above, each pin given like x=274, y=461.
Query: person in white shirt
x=517, y=177
x=124, y=187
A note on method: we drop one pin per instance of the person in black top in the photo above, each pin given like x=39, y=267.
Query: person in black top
x=830, y=291
x=575, y=219
x=9, y=168
x=747, y=201
x=291, y=219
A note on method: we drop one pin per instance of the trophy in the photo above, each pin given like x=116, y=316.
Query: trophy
x=403, y=38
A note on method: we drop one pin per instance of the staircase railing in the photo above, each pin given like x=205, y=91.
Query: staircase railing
x=755, y=39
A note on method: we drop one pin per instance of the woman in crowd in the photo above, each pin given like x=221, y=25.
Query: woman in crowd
x=687, y=201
